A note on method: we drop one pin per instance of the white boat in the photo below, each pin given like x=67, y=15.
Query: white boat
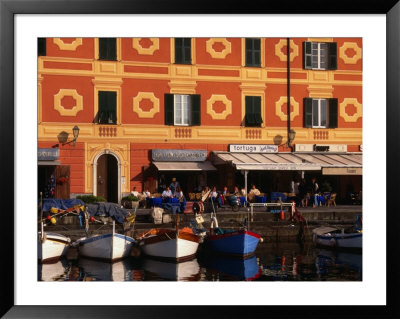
x=184, y=271
x=333, y=237
x=51, y=246
x=171, y=245
x=108, y=247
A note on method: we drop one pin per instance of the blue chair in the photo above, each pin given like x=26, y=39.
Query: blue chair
x=261, y=199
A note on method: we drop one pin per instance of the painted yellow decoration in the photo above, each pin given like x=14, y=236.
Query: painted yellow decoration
x=146, y=114
x=67, y=46
x=350, y=45
x=182, y=86
x=283, y=56
x=320, y=91
x=146, y=51
x=225, y=101
x=279, y=112
x=218, y=55
x=58, y=102
x=356, y=115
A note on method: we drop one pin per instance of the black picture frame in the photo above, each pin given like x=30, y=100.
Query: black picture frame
x=8, y=10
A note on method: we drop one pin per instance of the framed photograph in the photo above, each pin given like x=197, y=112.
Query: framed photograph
x=370, y=25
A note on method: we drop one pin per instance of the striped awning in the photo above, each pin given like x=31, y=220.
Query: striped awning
x=185, y=166
x=329, y=163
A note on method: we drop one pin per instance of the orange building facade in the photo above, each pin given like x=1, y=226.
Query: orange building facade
x=137, y=101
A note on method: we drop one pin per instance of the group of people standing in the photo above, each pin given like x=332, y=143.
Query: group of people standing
x=306, y=192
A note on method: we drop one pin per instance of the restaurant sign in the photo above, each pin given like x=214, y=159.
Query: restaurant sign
x=48, y=154
x=162, y=155
x=253, y=148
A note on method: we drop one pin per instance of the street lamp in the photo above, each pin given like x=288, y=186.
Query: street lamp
x=75, y=133
x=291, y=136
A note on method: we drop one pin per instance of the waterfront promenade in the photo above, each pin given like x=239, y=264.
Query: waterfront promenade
x=267, y=224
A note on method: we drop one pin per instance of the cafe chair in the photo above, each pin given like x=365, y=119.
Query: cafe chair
x=332, y=199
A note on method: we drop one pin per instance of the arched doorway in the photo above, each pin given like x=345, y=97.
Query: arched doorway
x=107, y=178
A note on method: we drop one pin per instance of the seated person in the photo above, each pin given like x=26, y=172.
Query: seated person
x=236, y=191
x=253, y=193
x=135, y=192
x=166, y=193
x=143, y=197
x=179, y=194
x=214, y=196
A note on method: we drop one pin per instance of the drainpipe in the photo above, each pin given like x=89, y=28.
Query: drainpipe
x=288, y=88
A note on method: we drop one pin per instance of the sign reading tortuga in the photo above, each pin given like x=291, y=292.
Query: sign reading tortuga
x=162, y=155
x=253, y=148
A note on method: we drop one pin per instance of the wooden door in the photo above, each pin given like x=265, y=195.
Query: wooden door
x=107, y=178
x=102, y=176
x=63, y=181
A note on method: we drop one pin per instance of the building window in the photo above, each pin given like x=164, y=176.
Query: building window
x=183, y=50
x=182, y=109
x=320, y=113
x=253, y=52
x=253, y=111
x=41, y=46
x=320, y=55
x=107, y=107
x=108, y=49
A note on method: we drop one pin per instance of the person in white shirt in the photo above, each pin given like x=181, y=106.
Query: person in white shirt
x=253, y=193
x=135, y=192
x=166, y=193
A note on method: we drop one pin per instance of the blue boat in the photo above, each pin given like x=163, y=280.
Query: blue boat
x=239, y=243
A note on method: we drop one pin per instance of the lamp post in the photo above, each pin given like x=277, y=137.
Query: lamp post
x=75, y=133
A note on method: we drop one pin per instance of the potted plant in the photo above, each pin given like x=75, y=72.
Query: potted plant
x=130, y=201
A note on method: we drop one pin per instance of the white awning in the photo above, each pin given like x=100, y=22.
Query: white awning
x=292, y=161
x=185, y=166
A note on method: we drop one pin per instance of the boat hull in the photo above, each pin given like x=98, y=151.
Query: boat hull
x=241, y=243
x=170, y=246
x=52, y=247
x=338, y=240
x=106, y=247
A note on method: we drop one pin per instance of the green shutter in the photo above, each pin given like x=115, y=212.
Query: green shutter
x=41, y=46
x=257, y=109
x=333, y=113
x=188, y=50
x=332, y=56
x=169, y=109
x=112, y=106
x=196, y=109
x=308, y=112
x=108, y=49
x=307, y=51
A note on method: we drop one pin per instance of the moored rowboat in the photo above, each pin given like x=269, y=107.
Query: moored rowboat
x=51, y=246
x=338, y=238
x=171, y=245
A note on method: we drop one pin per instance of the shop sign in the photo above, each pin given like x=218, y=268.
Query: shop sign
x=253, y=148
x=48, y=154
x=162, y=155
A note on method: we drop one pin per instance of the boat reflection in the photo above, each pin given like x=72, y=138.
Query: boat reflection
x=233, y=268
x=327, y=259
x=156, y=270
x=105, y=271
x=52, y=272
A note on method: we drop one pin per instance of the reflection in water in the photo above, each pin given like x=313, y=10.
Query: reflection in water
x=159, y=270
x=232, y=269
x=272, y=262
